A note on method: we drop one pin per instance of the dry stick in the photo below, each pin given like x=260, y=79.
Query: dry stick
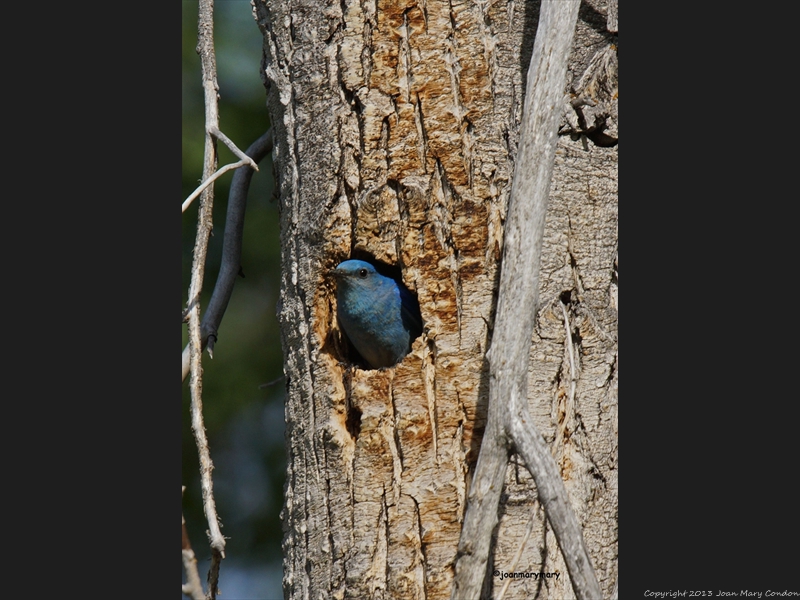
x=231, y=249
x=509, y=425
x=573, y=378
x=209, y=181
x=192, y=588
x=573, y=374
x=233, y=148
x=244, y=160
x=205, y=48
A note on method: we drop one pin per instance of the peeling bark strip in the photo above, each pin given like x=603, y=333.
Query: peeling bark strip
x=396, y=124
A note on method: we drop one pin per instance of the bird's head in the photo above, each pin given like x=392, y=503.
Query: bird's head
x=354, y=271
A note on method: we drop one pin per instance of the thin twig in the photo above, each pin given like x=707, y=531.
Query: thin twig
x=209, y=181
x=233, y=147
x=231, y=248
x=185, y=361
x=572, y=370
x=273, y=382
x=192, y=588
x=569, y=409
x=205, y=48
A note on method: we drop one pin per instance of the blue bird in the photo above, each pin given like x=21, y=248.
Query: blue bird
x=380, y=316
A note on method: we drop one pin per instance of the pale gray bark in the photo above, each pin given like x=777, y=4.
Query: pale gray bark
x=396, y=128
x=509, y=418
x=613, y=25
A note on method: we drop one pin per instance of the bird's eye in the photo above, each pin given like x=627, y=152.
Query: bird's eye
x=362, y=273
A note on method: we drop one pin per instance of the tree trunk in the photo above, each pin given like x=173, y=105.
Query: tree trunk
x=396, y=125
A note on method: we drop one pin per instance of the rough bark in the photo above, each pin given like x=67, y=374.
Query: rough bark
x=396, y=124
x=509, y=418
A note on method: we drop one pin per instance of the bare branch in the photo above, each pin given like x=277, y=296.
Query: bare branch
x=573, y=377
x=205, y=48
x=553, y=495
x=185, y=360
x=192, y=588
x=509, y=422
x=209, y=181
x=244, y=159
x=231, y=247
x=233, y=147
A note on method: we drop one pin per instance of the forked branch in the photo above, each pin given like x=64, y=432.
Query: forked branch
x=509, y=425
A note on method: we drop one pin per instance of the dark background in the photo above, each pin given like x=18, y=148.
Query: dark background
x=708, y=410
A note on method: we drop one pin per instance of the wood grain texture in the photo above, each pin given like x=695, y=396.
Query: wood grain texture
x=396, y=126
